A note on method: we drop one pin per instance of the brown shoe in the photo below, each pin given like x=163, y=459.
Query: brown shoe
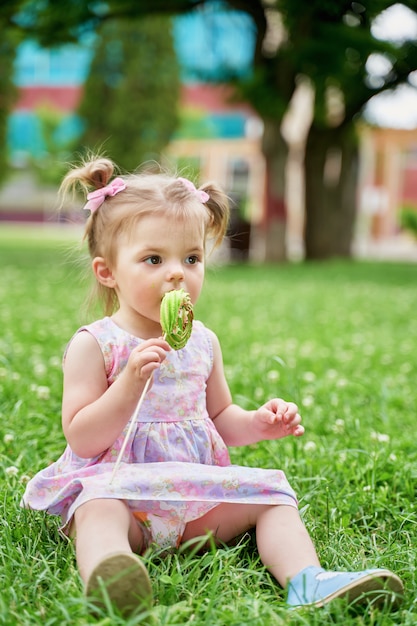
x=124, y=580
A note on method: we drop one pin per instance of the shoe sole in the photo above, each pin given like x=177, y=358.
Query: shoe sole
x=124, y=580
x=373, y=589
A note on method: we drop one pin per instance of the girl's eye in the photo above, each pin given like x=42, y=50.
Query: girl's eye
x=153, y=260
x=192, y=259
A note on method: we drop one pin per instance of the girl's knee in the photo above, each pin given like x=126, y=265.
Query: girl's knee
x=105, y=511
x=114, y=516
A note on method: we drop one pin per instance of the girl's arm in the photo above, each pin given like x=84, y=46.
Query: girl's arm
x=238, y=427
x=94, y=414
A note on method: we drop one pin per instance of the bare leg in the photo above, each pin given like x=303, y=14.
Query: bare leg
x=283, y=542
x=103, y=527
x=287, y=551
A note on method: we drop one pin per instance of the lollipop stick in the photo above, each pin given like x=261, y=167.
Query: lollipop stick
x=131, y=425
x=176, y=322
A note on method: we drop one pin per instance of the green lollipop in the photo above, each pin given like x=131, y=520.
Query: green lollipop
x=177, y=318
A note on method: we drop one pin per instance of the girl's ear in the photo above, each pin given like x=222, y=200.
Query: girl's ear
x=102, y=272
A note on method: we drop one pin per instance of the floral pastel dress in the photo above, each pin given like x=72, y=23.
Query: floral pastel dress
x=175, y=467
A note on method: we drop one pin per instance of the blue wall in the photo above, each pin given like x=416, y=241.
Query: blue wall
x=55, y=67
x=208, y=42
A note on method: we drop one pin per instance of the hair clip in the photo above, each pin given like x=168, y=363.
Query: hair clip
x=201, y=195
x=97, y=197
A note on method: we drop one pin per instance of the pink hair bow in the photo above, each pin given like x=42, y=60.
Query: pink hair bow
x=97, y=197
x=201, y=195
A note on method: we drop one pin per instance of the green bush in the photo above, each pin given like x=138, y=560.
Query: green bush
x=408, y=219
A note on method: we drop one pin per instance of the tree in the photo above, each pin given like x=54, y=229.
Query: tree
x=131, y=94
x=7, y=93
x=333, y=50
x=326, y=42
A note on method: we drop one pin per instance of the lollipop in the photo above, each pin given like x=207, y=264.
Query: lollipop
x=177, y=318
x=177, y=323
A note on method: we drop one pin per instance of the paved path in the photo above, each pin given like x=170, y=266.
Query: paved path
x=399, y=248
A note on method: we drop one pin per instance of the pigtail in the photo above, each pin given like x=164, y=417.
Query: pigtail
x=94, y=173
x=218, y=209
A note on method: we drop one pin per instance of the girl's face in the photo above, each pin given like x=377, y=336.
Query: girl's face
x=159, y=254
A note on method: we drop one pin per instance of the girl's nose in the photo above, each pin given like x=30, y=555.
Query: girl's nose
x=176, y=273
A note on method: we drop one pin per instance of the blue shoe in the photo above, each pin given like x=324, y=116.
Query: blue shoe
x=314, y=586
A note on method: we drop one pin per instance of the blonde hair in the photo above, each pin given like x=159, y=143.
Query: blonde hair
x=146, y=193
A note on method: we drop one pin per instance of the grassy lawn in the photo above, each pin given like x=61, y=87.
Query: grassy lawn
x=340, y=339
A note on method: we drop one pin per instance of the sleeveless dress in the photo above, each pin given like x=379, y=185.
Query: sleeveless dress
x=175, y=467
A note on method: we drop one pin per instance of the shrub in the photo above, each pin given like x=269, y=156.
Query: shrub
x=408, y=219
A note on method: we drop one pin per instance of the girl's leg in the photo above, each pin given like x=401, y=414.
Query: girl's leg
x=106, y=534
x=287, y=551
x=284, y=545
x=283, y=542
x=103, y=527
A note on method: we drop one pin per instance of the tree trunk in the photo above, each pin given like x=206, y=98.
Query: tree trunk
x=275, y=150
x=331, y=178
x=8, y=93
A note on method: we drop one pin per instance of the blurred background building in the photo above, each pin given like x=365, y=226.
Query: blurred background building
x=224, y=138
x=221, y=139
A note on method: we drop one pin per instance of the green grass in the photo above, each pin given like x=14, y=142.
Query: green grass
x=340, y=339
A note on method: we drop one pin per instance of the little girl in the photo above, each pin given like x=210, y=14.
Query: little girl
x=147, y=235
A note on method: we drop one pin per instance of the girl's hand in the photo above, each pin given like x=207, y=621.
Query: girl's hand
x=146, y=358
x=94, y=413
x=277, y=419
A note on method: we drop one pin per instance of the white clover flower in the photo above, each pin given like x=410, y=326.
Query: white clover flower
x=310, y=446
x=406, y=367
x=392, y=457
x=309, y=377
x=332, y=374
x=39, y=369
x=342, y=382
x=229, y=371
x=43, y=393
x=334, y=399
x=307, y=401
x=307, y=348
x=342, y=457
x=368, y=349
x=367, y=488
x=256, y=349
x=8, y=438
x=11, y=471
x=381, y=437
x=338, y=426
x=259, y=393
x=55, y=361
x=272, y=376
